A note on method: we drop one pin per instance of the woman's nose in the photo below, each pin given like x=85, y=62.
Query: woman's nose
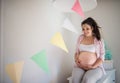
x=84, y=30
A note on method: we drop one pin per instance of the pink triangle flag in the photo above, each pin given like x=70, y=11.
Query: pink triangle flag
x=77, y=8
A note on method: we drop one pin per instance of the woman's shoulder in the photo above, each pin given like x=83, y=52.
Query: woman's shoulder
x=101, y=41
x=80, y=37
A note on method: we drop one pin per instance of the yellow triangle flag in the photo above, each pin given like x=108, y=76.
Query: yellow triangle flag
x=14, y=71
x=18, y=69
x=57, y=40
x=10, y=70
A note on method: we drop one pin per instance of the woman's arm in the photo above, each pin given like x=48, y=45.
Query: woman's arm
x=78, y=63
x=101, y=58
x=98, y=62
x=77, y=60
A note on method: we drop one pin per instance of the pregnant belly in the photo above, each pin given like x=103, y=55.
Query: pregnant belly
x=87, y=58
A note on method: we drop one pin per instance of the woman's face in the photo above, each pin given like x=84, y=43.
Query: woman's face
x=87, y=30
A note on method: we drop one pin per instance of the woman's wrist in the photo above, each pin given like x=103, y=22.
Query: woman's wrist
x=94, y=66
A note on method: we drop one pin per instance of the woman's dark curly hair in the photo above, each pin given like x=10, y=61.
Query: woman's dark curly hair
x=90, y=21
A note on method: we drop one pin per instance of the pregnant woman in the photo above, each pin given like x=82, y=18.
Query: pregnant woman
x=89, y=54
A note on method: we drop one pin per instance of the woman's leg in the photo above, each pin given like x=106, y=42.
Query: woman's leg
x=77, y=74
x=92, y=76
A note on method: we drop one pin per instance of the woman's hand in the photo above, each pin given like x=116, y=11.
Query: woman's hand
x=85, y=67
x=77, y=60
x=88, y=67
x=79, y=63
x=95, y=65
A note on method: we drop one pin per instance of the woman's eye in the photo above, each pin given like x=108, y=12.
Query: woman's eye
x=87, y=29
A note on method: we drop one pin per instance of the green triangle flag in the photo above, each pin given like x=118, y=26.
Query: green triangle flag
x=41, y=60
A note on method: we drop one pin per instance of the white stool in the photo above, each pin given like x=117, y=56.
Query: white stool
x=108, y=78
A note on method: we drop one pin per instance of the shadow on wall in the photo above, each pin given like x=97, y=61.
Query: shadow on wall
x=67, y=59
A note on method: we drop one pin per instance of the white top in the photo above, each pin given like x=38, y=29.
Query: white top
x=88, y=48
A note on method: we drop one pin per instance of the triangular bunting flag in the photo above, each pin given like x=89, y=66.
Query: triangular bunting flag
x=41, y=60
x=14, y=71
x=77, y=8
x=69, y=26
x=10, y=70
x=57, y=40
x=18, y=69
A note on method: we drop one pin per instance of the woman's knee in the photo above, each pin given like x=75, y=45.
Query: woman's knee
x=77, y=75
x=77, y=71
x=88, y=79
x=92, y=76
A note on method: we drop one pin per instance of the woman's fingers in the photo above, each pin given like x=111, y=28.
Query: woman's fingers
x=77, y=62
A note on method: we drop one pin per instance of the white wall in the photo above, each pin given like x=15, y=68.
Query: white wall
x=28, y=26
